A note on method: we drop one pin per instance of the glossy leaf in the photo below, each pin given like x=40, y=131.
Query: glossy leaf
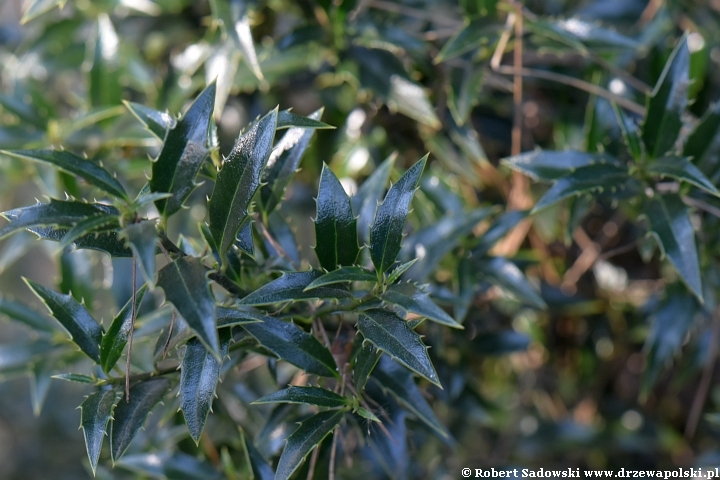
x=83, y=329
x=387, y=230
x=288, y=342
x=287, y=119
x=259, y=467
x=397, y=272
x=88, y=170
x=412, y=299
x=200, y=372
x=114, y=340
x=228, y=317
x=158, y=123
x=392, y=335
x=238, y=180
x=244, y=240
x=142, y=239
x=130, y=416
x=667, y=103
x=342, y=275
x=320, y=397
x=365, y=201
x=335, y=225
x=366, y=358
x=682, y=169
x=699, y=140
x=548, y=165
x=580, y=34
x=184, y=150
x=233, y=18
x=594, y=178
x=303, y=440
x=187, y=289
x=22, y=313
x=671, y=226
x=292, y=286
x=75, y=377
x=107, y=242
x=85, y=227
x=57, y=212
x=95, y=414
x=630, y=132
x=284, y=162
x=503, y=272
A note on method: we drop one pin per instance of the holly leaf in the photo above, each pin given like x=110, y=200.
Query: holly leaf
x=549, y=165
x=157, y=123
x=501, y=271
x=682, y=169
x=335, y=225
x=365, y=201
x=366, y=357
x=84, y=227
x=292, y=286
x=287, y=119
x=142, y=239
x=113, y=342
x=95, y=413
x=228, y=317
x=320, y=397
x=57, y=212
x=702, y=136
x=106, y=241
x=343, y=275
x=412, y=299
x=259, y=467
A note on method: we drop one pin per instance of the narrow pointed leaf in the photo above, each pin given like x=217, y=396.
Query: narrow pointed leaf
x=670, y=223
x=342, y=275
x=96, y=411
x=90, y=224
x=303, y=440
x=293, y=345
x=187, y=289
x=287, y=119
x=392, y=335
x=291, y=286
x=113, y=342
x=238, y=180
x=412, y=299
x=75, y=377
x=234, y=20
x=682, y=169
x=22, y=313
x=104, y=75
x=397, y=272
x=667, y=102
x=365, y=201
x=198, y=378
x=365, y=360
x=83, y=329
x=184, y=150
x=244, y=240
x=320, y=397
x=86, y=169
x=106, y=241
x=501, y=271
x=130, y=416
x=548, y=165
x=260, y=468
x=387, y=230
x=228, y=317
x=630, y=132
x=57, y=212
x=700, y=139
x=142, y=239
x=158, y=123
x=284, y=162
x=335, y=225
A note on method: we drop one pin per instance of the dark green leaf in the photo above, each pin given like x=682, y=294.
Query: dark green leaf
x=594, y=178
x=335, y=225
x=178, y=466
x=293, y=345
x=284, y=162
x=142, y=239
x=547, y=165
x=392, y=335
x=88, y=170
x=306, y=395
x=130, y=416
x=158, y=123
x=682, y=169
x=227, y=317
x=244, y=240
x=184, y=150
x=387, y=231
x=671, y=226
x=365, y=201
x=22, y=313
x=700, y=139
x=75, y=377
x=57, y=212
x=107, y=242
x=83, y=329
x=287, y=119
x=366, y=358
x=462, y=91
x=500, y=227
x=412, y=299
x=259, y=467
x=503, y=272
x=343, y=274
x=90, y=224
x=470, y=37
x=630, y=132
x=291, y=286
x=96, y=411
x=397, y=272
x=187, y=289
x=238, y=180
x=303, y=440
x=282, y=232
x=198, y=379
x=113, y=342
x=104, y=79
x=667, y=102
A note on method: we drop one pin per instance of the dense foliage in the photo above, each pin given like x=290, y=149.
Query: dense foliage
x=380, y=311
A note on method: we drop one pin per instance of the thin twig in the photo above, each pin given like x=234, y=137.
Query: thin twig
x=132, y=329
x=705, y=380
x=271, y=240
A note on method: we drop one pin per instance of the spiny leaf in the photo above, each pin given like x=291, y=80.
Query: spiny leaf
x=259, y=467
x=187, y=289
x=670, y=223
x=320, y=397
x=682, y=169
x=198, y=378
x=303, y=440
x=107, y=241
x=22, y=313
x=397, y=272
x=130, y=416
x=228, y=317
x=142, y=239
x=57, y=212
x=365, y=201
x=293, y=345
x=667, y=102
x=158, y=123
x=90, y=224
x=287, y=119
x=291, y=286
x=700, y=139
x=184, y=150
x=235, y=22
x=549, y=165
x=75, y=377
x=392, y=335
x=96, y=411
x=412, y=299
x=113, y=342
x=244, y=240
x=366, y=357
x=83, y=329
x=342, y=275
x=501, y=271
x=86, y=169
x=335, y=225
x=387, y=230
x=238, y=180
